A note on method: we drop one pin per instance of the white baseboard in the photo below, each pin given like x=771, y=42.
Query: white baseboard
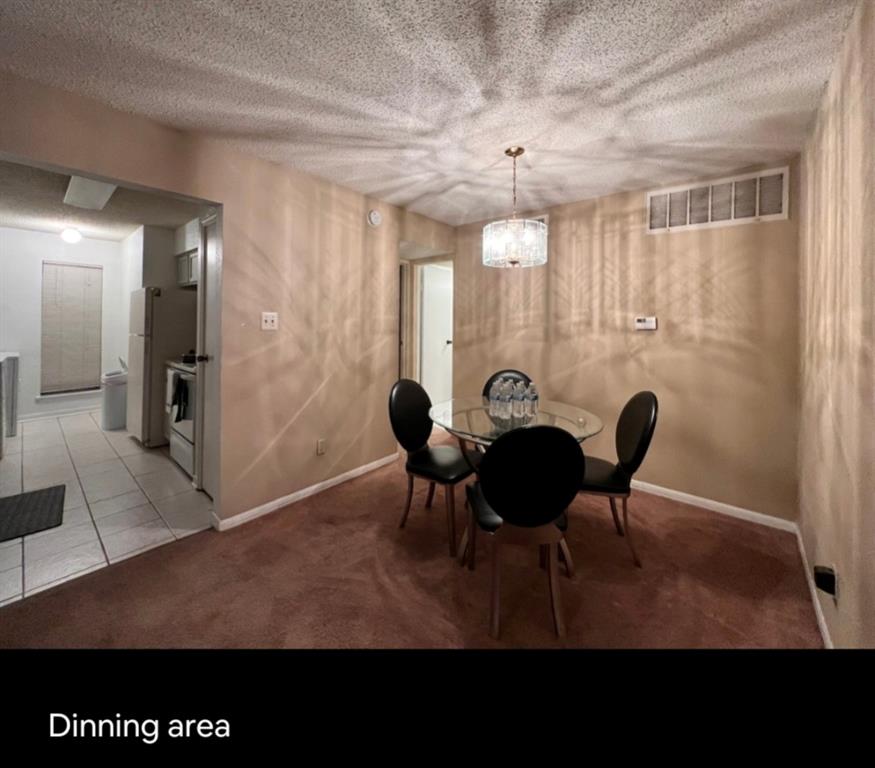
x=284, y=501
x=754, y=517
x=60, y=412
x=809, y=577
x=717, y=506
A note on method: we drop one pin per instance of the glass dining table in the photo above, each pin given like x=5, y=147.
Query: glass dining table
x=468, y=419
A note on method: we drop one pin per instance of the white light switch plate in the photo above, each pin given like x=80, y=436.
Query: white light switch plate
x=645, y=323
x=270, y=321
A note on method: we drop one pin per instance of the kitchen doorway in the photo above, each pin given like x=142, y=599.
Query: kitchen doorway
x=136, y=452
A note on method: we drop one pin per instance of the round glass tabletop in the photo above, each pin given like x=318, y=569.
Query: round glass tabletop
x=468, y=418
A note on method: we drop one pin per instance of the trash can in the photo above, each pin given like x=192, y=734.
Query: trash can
x=115, y=400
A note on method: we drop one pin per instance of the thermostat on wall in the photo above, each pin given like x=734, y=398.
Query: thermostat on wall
x=375, y=218
x=645, y=323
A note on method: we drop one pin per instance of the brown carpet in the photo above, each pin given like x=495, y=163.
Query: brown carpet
x=335, y=571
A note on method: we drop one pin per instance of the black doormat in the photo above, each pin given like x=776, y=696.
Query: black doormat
x=31, y=512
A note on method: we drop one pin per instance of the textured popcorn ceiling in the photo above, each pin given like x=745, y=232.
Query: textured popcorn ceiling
x=413, y=101
x=31, y=198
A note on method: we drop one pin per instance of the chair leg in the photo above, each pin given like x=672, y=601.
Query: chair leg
x=616, y=516
x=468, y=542
x=635, y=557
x=409, y=500
x=553, y=579
x=449, y=492
x=430, y=497
x=472, y=542
x=495, y=605
x=565, y=554
x=463, y=547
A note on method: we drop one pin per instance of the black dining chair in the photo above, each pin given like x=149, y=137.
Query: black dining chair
x=509, y=373
x=635, y=429
x=527, y=479
x=440, y=464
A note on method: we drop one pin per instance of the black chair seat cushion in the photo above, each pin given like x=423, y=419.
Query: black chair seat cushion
x=488, y=519
x=440, y=463
x=603, y=477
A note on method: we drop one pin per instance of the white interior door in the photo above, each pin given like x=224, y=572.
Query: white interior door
x=436, y=331
x=208, y=404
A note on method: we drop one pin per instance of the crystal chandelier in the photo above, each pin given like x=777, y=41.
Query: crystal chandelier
x=515, y=242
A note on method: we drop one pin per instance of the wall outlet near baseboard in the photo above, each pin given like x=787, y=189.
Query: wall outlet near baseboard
x=826, y=580
x=320, y=446
x=270, y=321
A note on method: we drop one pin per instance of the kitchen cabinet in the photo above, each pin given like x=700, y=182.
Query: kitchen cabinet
x=187, y=265
x=187, y=241
x=188, y=236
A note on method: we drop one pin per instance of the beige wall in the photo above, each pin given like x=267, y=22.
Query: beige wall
x=427, y=233
x=723, y=363
x=837, y=425
x=292, y=243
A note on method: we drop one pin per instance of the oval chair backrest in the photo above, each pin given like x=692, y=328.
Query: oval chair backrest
x=408, y=412
x=635, y=430
x=530, y=475
x=509, y=373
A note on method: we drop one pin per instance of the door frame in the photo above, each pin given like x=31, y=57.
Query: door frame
x=215, y=411
x=410, y=319
x=408, y=328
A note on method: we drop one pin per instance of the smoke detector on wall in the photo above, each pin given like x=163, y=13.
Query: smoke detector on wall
x=375, y=218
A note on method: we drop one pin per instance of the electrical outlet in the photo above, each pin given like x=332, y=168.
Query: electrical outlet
x=320, y=446
x=827, y=580
x=270, y=321
x=645, y=323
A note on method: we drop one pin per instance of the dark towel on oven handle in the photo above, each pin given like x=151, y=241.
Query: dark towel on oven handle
x=180, y=398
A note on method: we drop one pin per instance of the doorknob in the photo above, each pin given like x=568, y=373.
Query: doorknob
x=449, y=341
x=203, y=358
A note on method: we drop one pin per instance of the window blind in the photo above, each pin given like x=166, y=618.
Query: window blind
x=71, y=319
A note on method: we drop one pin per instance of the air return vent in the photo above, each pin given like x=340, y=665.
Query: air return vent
x=751, y=197
x=700, y=204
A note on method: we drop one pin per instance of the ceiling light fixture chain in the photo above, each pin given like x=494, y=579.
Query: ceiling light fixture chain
x=514, y=186
x=514, y=152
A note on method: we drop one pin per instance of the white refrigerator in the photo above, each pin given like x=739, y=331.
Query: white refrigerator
x=163, y=327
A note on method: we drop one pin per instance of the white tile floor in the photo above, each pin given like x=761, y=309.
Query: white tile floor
x=121, y=499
